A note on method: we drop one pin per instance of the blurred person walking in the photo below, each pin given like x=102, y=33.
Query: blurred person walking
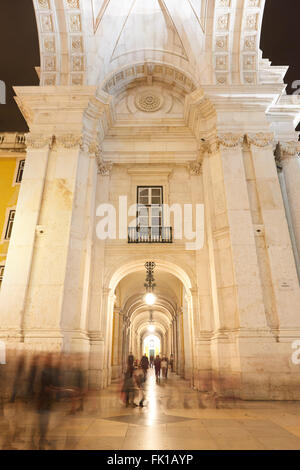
x=157, y=366
x=141, y=383
x=45, y=400
x=151, y=362
x=129, y=389
x=130, y=363
x=164, y=367
x=144, y=364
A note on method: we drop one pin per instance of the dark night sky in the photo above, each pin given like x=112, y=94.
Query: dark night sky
x=20, y=50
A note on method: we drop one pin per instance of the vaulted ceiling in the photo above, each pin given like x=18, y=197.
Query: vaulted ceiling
x=214, y=42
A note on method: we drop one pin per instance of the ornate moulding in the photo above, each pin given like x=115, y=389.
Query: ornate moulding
x=249, y=41
x=230, y=140
x=104, y=168
x=261, y=139
x=39, y=141
x=68, y=141
x=52, y=47
x=225, y=36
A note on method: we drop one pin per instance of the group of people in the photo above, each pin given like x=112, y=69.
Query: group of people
x=136, y=376
x=33, y=384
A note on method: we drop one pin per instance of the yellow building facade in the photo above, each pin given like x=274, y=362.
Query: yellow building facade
x=12, y=161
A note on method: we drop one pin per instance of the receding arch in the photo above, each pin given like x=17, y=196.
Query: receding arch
x=138, y=265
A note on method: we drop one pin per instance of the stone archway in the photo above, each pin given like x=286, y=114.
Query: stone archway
x=173, y=320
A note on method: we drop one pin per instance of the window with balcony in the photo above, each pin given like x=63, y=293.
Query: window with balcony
x=150, y=227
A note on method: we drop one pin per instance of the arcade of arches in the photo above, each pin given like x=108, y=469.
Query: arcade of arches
x=188, y=106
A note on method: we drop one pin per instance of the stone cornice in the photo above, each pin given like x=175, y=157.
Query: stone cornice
x=47, y=107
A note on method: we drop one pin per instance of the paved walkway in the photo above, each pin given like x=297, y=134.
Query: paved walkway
x=175, y=417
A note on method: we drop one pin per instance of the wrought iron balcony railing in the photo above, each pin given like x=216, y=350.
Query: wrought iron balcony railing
x=150, y=235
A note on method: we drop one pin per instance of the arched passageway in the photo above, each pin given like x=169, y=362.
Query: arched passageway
x=164, y=328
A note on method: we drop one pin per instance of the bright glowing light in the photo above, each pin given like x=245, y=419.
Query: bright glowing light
x=151, y=328
x=150, y=298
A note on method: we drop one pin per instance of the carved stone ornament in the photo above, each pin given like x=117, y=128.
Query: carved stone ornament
x=261, y=139
x=289, y=149
x=230, y=140
x=148, y=102
x=104, y=168
x=208, y=146
x=68, y=141
x=195, y=168
x=38, y=141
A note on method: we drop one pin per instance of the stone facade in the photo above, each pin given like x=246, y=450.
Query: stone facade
x=189, y=106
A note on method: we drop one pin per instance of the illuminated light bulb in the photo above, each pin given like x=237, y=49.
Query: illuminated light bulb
x=151, y=328
x=150, y=298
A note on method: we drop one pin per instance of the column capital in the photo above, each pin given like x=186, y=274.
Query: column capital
x=289, y=150
x=195, y=168
x=226, y=140
x=95, y=150
x=39, y=141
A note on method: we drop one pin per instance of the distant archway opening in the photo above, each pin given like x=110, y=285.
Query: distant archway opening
x=152, y=346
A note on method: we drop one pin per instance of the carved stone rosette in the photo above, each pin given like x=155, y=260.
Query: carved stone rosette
x=261, y=139
x=38, y=141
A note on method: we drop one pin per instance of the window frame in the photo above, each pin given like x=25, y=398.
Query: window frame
x=17, y=179
x=150, y=205
x=8, y=222
x=2, y=268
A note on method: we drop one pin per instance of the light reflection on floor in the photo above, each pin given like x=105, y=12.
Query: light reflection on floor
x=151, y=397
x=175, y=417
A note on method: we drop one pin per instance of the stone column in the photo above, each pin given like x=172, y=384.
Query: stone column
x=176, y=349
x=120, y=343
x=279, y=258
x=290, y=160
x=115, y=345
x=180, y=333
x=282, y=264
x=98, y=302
x=13, y=294
x=96, y=359
x=237, y=298
x=81, y=176
x=107, y=321
x=189, y=316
